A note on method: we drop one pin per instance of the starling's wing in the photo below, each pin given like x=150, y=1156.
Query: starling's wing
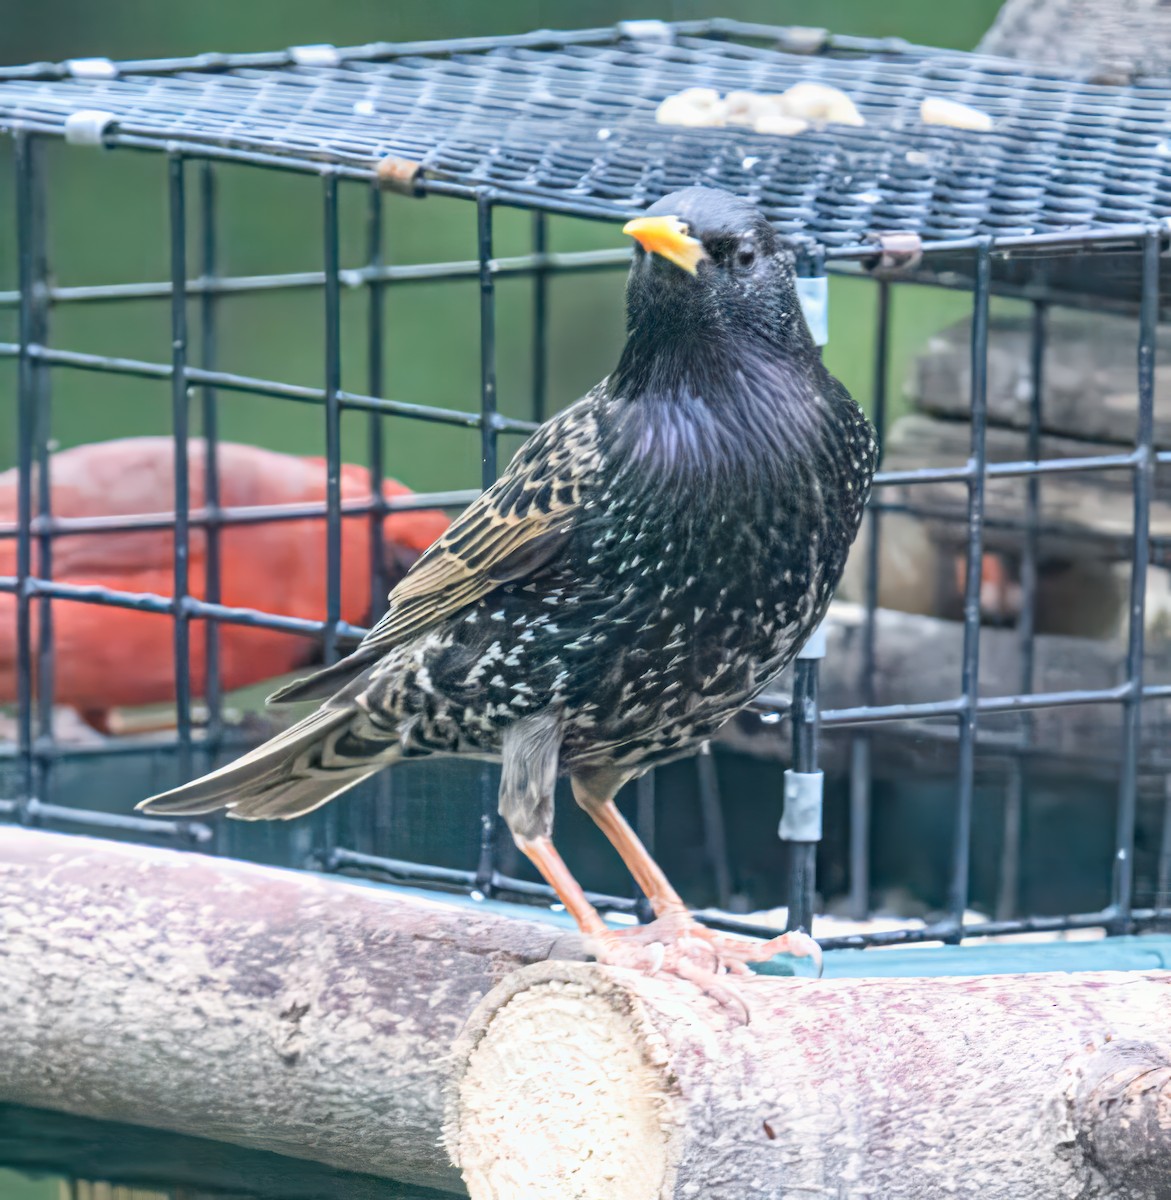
x=516, y=527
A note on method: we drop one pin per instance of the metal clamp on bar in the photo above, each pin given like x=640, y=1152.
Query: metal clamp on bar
x=897, y=251
x=801, y=820
x=646, y=31
x=813, y=292
x=92, y=68
x=324, y=54
x=89, y=126
x=398, y=175
x=815, y=646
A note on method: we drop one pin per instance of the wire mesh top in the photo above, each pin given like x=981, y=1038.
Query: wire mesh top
x=571, y=118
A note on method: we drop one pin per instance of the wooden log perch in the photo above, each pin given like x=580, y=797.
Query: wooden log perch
x=272, y=1009
x=578, y=1082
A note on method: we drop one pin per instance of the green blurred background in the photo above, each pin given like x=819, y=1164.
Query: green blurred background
x=108, y=223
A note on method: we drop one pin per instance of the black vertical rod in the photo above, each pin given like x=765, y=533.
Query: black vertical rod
x=489, y=825
x=209, y=425
x=179, y=418
x=1008, y=888
x=802, y=856
x=333, y=429
x=715, y=835
x=861, y=749
x=30, y=235
x=375, y=381
x=333, y=452
x=1122, y=891
x=970, y=675
x=385, y=816
x=540, y=316
x=644, y=826
x=42, y=401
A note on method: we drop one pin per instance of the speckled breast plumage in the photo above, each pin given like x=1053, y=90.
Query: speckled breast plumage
x=691, y=576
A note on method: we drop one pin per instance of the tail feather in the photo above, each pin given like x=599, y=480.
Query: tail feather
x=324, y=684
x=291, y=774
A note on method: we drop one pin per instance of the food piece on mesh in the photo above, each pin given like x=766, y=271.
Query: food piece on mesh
x=780, y=123
x=107, y=657
x=647, y=563
x=820, y=103
x=934, y=110
x=693, y=106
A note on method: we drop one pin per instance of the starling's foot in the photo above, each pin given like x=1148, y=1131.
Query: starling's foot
x=677, y=944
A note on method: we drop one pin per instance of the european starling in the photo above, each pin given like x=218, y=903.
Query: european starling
x=651, y=558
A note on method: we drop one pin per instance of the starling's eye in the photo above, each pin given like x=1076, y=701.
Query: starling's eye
x=746, y=257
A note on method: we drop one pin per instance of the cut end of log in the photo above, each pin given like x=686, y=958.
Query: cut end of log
x=588, y=1113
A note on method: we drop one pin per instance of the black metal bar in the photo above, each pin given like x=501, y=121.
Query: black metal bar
x=389, y=274
x=499, y=885
x=1015, y=795
x=333, y=434
x=263, y=387
x=715, y=836
x=42, y=814
x=861, y=749
x=375, y=375
x=149, y=602
x=801, y=856
x=644, y=825
x=245, y=514
x=540, y=315
x=209, y=426
x=180, y=417
x=42, y=434
x=27, y=166
x=489, y=821
x=969, y=681
x=1122, y=888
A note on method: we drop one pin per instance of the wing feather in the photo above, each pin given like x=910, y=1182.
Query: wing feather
x=511, y=531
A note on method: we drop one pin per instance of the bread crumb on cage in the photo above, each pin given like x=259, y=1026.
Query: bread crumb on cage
x=820, y=102
x=936, y=111
x=788, y=113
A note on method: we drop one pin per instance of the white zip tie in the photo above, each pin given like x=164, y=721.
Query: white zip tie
x=815, y=646
x=92, y=68
x=324, y=54
x=89, y=126
x=813, y=292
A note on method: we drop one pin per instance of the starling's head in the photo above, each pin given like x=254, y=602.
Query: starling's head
x=708, y=263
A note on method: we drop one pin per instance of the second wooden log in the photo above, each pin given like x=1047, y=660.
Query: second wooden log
x=579, y=1081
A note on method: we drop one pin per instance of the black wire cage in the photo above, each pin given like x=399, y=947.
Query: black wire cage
x=1062, y=202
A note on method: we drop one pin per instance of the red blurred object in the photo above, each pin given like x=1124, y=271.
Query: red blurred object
x=107, y=657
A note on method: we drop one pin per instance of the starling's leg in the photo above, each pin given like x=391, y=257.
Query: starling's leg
x=674, y=925
x=528, y=776
x=543, y=855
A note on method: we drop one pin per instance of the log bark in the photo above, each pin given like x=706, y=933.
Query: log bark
x=579, y=1081
x=276, y=1010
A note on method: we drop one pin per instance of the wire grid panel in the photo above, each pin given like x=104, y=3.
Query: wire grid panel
x=36, y=752
x=572, y=118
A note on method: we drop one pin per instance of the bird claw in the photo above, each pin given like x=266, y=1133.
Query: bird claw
x=677, y=944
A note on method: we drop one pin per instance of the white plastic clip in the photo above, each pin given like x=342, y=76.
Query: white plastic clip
x=646, y=31
x=321, y=55
x=89, y=126
x=801, y=820
x=813, y=292
x=92, y=68
x=815, y=646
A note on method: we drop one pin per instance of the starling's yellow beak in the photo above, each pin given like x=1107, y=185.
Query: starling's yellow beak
x=668, y=238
